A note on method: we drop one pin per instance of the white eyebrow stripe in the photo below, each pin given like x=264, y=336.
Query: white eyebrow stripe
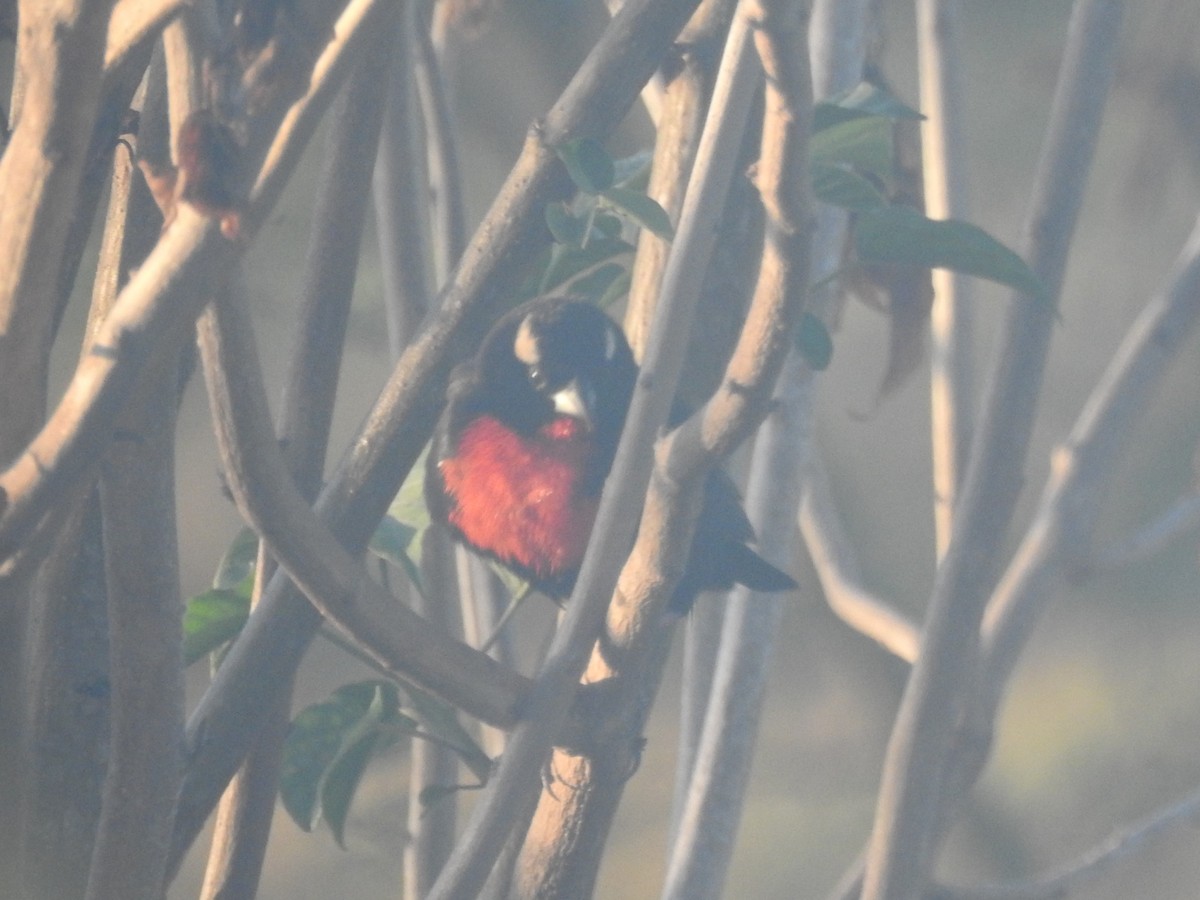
x=525, y=347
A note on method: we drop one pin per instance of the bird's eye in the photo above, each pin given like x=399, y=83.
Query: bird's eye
x=535, y=375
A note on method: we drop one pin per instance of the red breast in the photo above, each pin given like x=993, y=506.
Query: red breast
x=519, y=497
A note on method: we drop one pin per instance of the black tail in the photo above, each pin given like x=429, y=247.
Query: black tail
x=750, y=569
x=719, y=557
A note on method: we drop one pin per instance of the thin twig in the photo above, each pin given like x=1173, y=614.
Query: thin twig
x=833, y=558
x=1180, y=518
x=334, y=581
x=1060, y=535
x=399, y=199
x=1087, y=867
x=442, y=166
x=943, y=154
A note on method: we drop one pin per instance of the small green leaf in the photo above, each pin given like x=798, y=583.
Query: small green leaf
x=865, y=143
x=311, y=745
x=899, y=234
x=588, y=164
x=211, y=619
x=392, y=539
x=633, y=171
x=814, y=343
x=864, y=99
x=239, y=560
x=439, y=720
x=617, y=289
x=607, y=225
x=564, y=226
x=568, y=263
x=595, y=284
x=409, y=506
x=393, y=542
x=380, y=726
x=844, y=187
x=435, y=793
x=645, y=211
x=328, y=747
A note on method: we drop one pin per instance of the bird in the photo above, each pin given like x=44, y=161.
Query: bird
x=527, y=439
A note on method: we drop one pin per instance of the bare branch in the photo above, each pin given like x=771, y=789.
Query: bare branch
x=40, y=174
x=334, y=581
x=400, y=207
x=1061, y=532
x=133, y=23
x=1067, y=879
x=145, y=621
x=907, y=814
x=943, y=154
x=701, y=852
x=244, y=817
x=1180, y=518
x=681, y=109
x=445, y=186
x=157, y=301
x=833, y=557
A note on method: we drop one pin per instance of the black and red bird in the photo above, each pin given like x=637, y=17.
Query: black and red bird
x=528, y=437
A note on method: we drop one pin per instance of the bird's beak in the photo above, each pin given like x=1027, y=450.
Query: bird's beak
x=577, y=400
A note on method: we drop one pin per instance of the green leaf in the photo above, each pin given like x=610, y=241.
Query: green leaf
x=380, y=726
x=409, y=506
x=435, y=793
x=899, y=234
x=595, y=284
x=588, y=164
x=311, y=746
x=633, y=171
x=865, y=143
x=844, y=187
x=616, y=289
x=564, y=226
x=607, y=225
x=864, y=99
x=645, y=211
x=567, y=263
x=328, y=747
x=439, y=720
x=393, y=543
x=239, y=560
x=211, y=619
x=814, y=343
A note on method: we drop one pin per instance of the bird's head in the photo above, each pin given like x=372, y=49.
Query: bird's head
x=559, y=358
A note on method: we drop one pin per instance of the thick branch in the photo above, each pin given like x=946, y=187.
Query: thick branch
x=158, y=300
x=244, y=818
x=334, y=581
x=59, y=53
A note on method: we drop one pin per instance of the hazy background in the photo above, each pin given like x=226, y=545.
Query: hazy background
x=1103, y=724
